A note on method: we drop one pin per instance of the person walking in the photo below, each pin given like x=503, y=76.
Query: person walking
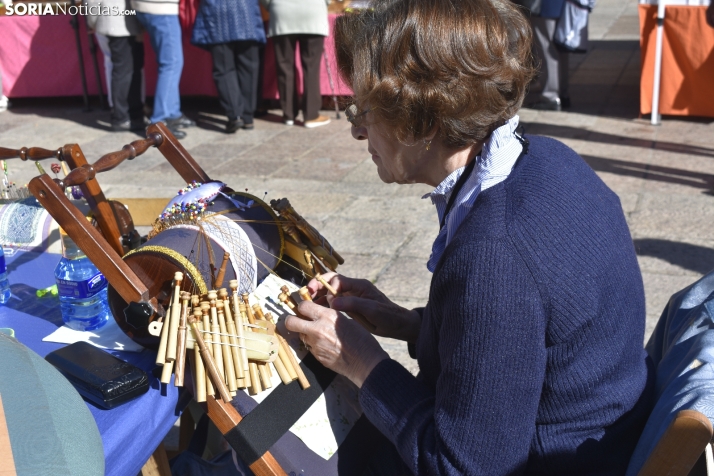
x=161, y=21
x=300, y=23
x=232, y=30
x=126, y=51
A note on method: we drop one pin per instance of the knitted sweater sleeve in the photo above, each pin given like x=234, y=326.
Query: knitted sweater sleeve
x=487, y=321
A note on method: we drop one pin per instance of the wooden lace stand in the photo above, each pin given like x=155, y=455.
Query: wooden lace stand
x=74, y=157
x=108, y=260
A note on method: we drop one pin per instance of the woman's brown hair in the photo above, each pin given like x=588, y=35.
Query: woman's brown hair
x=460, y=65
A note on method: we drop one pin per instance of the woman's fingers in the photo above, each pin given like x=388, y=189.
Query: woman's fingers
x=310, y=313
x=368, y=308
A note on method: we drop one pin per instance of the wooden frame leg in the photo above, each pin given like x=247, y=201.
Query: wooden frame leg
x=158, y=463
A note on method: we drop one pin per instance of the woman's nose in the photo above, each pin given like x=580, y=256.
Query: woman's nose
x=359, y=133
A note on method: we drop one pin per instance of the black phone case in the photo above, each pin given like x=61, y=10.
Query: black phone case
x=98, y=376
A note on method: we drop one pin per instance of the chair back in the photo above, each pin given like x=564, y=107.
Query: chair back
x=681, y=445
x=682, y=349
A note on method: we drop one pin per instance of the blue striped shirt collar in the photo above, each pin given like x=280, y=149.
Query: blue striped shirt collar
x=493, y=165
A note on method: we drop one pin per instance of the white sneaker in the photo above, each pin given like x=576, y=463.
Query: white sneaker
x=288, y=122
x=317, y=122
x=4, y=103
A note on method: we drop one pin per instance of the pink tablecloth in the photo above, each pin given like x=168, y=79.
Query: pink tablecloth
x=38, y=58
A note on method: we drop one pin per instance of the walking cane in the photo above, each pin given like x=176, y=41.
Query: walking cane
x=332, y=86
x=74, y=22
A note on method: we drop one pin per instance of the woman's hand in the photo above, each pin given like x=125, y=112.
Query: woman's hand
x=362, y=301
x=340, y=344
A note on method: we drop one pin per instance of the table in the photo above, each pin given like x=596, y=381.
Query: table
x=38, y=58
x=131, y=432
x=687, y=80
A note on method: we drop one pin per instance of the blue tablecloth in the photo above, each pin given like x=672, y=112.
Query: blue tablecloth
x=130, y=432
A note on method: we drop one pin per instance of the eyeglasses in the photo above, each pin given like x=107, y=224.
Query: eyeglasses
x=353, y=116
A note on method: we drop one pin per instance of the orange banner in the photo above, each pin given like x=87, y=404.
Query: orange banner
x=687, y=81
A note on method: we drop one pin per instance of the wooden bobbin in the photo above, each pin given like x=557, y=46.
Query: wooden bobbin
x=285, y=359
x=285, y=299
x=258, y=311
x=216, y=338
x=166, y=371
x=208, y=340
x=263, y=320
x=230, y=371
x=222, y=271
x=211, y=368
x=302, y=379
x=174, y=322
x=233, y=338
x=248, y=309
x=305, y=294
x=280, y=368
x=181, y=341
x=199, y=377
x=241, y=320
x=264, y=372
x=255, y=386
x=288, y=294
x=164, y=339
x=263, y=368
x=327, y=285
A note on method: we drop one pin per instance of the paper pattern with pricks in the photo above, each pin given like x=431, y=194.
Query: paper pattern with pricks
x=325, y=425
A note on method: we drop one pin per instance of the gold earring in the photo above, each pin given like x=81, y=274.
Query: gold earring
x=428, y=144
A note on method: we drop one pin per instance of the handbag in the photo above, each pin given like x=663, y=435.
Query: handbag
x=188, y=10
x=571, y=30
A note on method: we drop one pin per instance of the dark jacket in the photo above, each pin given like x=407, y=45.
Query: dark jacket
x=530, y=349
x=551, y=8
x=225, y=21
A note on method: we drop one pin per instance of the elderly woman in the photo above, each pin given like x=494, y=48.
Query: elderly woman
x=530, y=346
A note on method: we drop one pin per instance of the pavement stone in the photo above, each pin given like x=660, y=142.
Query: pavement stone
x=663, y=175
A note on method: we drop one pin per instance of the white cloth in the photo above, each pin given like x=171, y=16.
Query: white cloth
x=112, y=25
x=297, y=17
x=493, y=165
x=156, y=7
x=109, y=336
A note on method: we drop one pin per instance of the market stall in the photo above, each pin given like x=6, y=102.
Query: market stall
x=687, y=61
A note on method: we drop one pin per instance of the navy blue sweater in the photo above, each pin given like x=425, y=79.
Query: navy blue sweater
x=530, y=350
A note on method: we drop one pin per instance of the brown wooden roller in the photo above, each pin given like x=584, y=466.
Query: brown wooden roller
x=108, y=161
x=31, y=153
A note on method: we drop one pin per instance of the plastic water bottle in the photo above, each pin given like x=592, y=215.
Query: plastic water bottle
x=82, y=289
x=4, y=283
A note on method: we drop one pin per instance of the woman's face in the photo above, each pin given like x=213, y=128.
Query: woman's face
x=396, y=162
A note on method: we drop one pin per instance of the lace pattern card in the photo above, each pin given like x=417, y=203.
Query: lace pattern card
x=327, y=422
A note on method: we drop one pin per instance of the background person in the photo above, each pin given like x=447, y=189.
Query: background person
x=125, y=42
x=300, y=23
x=4, y=101
x=161, y=21
x=550, y=90
x=232, y=30
x=530, y=346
